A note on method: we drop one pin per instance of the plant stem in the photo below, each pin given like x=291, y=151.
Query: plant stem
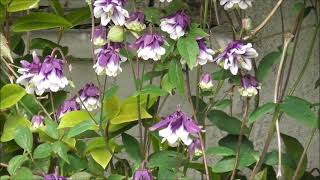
x=196, y=119
x=52, y=106
x=243, y=124
x=302, y=157
x=265, y=21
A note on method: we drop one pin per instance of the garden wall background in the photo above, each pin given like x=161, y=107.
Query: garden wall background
x=79, y=46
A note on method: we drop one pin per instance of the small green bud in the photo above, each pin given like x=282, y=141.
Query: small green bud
x=116, y=34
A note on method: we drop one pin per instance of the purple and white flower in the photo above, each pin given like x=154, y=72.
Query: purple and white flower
x=242, y=4
x=99, y=36
x=51, y=76
x=37, y=121
x=136, y=21
x=89, y=97
x=205, y=81
x=249, y=86
x=205, y=53
x=143, y=174
x=109, y=60
x=54, y=177
x=29, y=71
x=68, y=106
x=195, y=148
x=236, y=55
x=166, y=0
x=149, y=46
x=109, y=10
x=177, y=126
x=175, y=24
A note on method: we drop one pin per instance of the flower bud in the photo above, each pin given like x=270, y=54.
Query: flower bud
x=99, y=36
x=37, y=121
x=143, y=174
x=116, y=34
x=206, y=81
x=249, y=86
x=247, y=24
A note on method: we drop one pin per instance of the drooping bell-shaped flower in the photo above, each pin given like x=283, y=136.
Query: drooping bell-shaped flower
x=206, y=81
x=237, y=55
x=249, y=85
x=28, y=71
x=51, y=76
x=177, y=126
x=175, y=24
x=149, y=46
x=166, y=1
x=37, y=121
x=54, y=177
x=99, y=36
x=195, y=148
x=109, y=10
x=143, y=174
x=68, y=106
x=89, y=97
x=136, y=21
x=109, y=60
x=242, y=4
x=205, y=53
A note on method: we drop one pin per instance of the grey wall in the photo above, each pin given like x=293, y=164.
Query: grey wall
x=78, y=42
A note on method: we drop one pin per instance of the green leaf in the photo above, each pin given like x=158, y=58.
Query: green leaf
x=189, y=50
x=109, y=93
x=56, y=6
x=165, y=159
x=15, y=163
x=10, y=94
x=17, y=44
x=227, y=164
x=51, y=128
x=80, y=128
x=73, y=118
x=262, y=175
x=152, y=14
x=76, y=164
x=40, y=43
x=197, y=32
x=176, y=76
x=166, y=84
x=220, y=151
x=226, y=123
x=231, y=141
x=299, y=110
x=152, y=90
x=42, y=151
x=129, y=113
x=102, y=156
x=23, y=137
x=23, y=174
x=20, y=5
x=260, y=111
x=10, y=126
x=132, y=147
x=29, y=102
x=266, y=63
x=111, y=106
x=39, y=21
x=222, y=74
x=79, y=15
x=82, y=176
x=294, y=149
x=174, y=6
x=116, y=177
x=222, y=104
x=61, y=149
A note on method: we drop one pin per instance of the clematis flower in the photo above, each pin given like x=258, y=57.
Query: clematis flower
x=54, y=177
x=99, y=36
x=37, y=121
x=205, y=53
x=109, y=60
x=242, y=4
x=143, y=174
x=89, y=96
x=68, y=106
x=176, y=24
x=109, y=10
x=237, y=54
x=176, y=126
x=195, y=148
x=29, y=71
x=149, y=46
x=206, y=81
x=249, y=85
x=51, y=76
x=136, y=21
